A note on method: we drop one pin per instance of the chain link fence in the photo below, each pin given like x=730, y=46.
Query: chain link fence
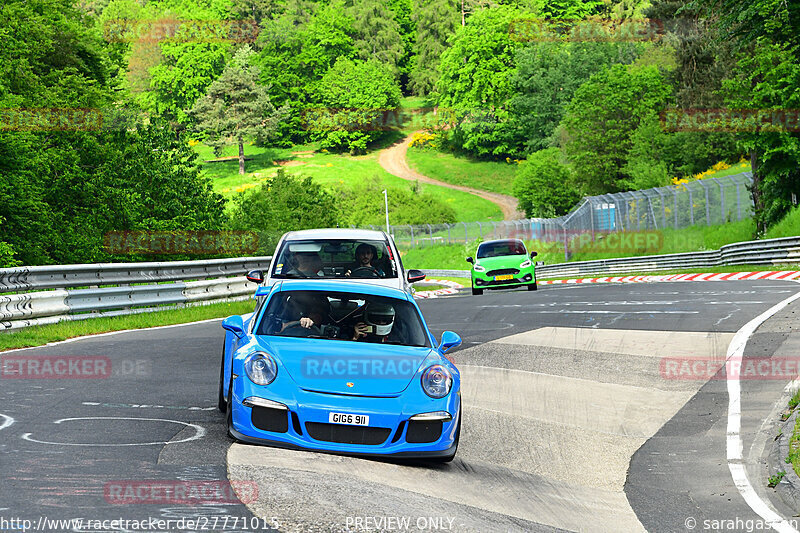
x=711, y=201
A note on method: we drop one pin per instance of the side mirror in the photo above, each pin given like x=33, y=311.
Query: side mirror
x=235, y=325
x=470, y=260
x=449, y=340
x=534, y=254
x=414, y=276
x=256, y=276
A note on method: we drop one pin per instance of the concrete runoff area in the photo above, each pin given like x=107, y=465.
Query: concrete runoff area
x=551, y=450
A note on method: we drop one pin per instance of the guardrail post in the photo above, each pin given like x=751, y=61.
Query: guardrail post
x=738, y=203
x=480, y=230
x=448, y=233
x=413, y=242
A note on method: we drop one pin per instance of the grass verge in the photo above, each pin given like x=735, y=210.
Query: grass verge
x=40, y=335
x=328, y=169
x=493, y=176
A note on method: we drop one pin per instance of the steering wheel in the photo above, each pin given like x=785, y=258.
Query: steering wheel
x=367, y=269
x=295, y=324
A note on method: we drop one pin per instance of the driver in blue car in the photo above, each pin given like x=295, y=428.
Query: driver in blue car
x=363, y=267
x=307, y=310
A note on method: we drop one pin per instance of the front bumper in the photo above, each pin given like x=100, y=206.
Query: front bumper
x=304, y=423
x=524, y=276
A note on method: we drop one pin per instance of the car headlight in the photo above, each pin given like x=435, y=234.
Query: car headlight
x=437, y=381
x=478, y=268
x=525, y=264
x=261, y=368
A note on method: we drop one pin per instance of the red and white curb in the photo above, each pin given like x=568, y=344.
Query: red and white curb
x=452, y=288
x=726, y=276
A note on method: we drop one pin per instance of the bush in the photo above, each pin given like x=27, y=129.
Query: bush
x=543, y=185
x=363, y=205
x=283, y=203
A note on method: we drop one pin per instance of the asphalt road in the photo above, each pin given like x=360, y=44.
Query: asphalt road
x=572, y=421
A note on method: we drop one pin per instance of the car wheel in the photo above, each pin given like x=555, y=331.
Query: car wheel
x=222, y=404
x=229, y=418
x=532, y=286
x=448, y=458
x=476, y=292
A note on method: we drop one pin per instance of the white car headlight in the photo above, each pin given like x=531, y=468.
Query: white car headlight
x=437, y=381
x=525, y=264
x=261, y=368
x=478, y=268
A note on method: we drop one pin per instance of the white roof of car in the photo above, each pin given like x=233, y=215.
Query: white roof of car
x=336, y=233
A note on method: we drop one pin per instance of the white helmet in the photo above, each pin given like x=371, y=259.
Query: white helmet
x=380, y=317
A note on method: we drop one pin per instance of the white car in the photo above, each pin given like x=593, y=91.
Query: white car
x=363, y=256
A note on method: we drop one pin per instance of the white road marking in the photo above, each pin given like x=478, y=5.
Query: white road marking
x=147, y=406
x=734, y=441
x=199, y=432
x=576, y=312
x=7, y=421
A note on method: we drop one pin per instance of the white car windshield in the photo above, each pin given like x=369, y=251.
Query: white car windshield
x=340, y=258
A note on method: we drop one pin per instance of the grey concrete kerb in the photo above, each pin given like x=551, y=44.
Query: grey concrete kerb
x=789, y=487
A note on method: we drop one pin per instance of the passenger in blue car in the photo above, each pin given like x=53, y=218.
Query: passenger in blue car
x=377, y=324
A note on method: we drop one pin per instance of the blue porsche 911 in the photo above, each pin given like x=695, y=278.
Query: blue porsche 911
x=338, y=366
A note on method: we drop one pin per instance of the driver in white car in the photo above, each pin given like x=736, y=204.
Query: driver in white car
x=365, y=255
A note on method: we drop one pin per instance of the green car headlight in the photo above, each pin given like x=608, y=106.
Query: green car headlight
x=525, y=264
x=479, y=268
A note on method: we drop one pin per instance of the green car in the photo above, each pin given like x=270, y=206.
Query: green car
x=502, y=264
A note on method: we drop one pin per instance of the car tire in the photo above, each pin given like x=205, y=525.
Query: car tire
x=476, y=292
x=222, y=403
x=532, y=287
x=229, y=410
x=448, y=458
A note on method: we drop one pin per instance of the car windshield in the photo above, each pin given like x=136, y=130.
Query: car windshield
x=328, y=258
x=340, y=316
x=500, y=248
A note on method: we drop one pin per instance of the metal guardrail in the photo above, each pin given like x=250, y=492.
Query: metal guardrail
x=111, y=289
x=765, y=252
x=87, y=291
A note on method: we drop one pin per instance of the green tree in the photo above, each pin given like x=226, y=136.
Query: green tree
x=768, y=79
x=547, y=75
x=475, y=81
x=354, y=98
x=296, y=50
x=436, y=21
x=596, y=131
x=236, y=107
x=377, y=34
x=544, y=185
x=404, y=16
x=283, y=203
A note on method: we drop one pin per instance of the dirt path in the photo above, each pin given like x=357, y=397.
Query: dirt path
x=393, y=160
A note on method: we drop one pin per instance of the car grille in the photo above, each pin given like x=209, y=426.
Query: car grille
x=346, y=434
x=503, y=272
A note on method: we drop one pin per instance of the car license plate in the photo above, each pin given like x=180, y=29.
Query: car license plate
x=503, y=277
x=346, y=418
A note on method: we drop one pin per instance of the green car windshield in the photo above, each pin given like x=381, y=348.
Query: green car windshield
x=501, y=248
